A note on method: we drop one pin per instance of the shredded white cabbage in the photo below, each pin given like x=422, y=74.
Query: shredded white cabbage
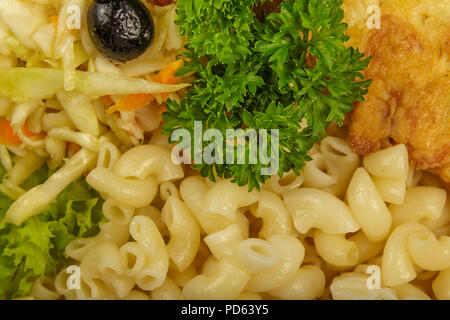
x=24, y=84
x=22, y=19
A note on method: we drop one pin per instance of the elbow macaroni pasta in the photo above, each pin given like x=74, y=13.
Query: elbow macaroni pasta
x=136, y=193
x=146, y=234
x=273, y=212
x=336, y=249
x=170, y=237
x=390, y=163
x=420, y=203
x=368, y=207
x=223, y=282
x=184, y=233
x=313, y=208
x=397, y=266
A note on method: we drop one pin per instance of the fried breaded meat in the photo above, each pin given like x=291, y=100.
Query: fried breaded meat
x=408, y=101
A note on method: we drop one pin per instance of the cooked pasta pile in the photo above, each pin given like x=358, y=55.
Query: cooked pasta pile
x=168, y=233
x=173, y=236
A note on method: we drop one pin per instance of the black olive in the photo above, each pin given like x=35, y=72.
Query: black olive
x=121, y=30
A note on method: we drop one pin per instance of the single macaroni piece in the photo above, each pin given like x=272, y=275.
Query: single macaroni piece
x=168, y=291
x=390, y=163
x=154, y=214
x=336, y=249
x=226, y=281
x=134, y=258
x=442, y=221
x=308, y=283
x=108, y=155
x=60, y=283
x=340, y=156
x=273, y=212
x=184, y=233
x=110, y=231
x=193, y=191
x=420, y=203
x=43, y=288
x=168, y=189
x=313, y=208
x=77, y=248
x=102, y=259
x=225, y=198
x=353, y=286
x=223, y=244
x=120, y=285
x=117, y=213
x=408, y=291
x=441, y=285
x=278, y=185
x=142, y=161
x=146, y=234
x=92, y=289
x=368, y=207
x=392, y=191
x=397, y=266
x=319, y=173
x=428, y=252
x=291, y=253
x=252, y=255
x=136, y=193
x=256, y=255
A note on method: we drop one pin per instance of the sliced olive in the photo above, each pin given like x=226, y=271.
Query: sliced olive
x=121, y=30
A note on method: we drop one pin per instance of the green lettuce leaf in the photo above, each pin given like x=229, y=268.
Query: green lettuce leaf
x=37, y=246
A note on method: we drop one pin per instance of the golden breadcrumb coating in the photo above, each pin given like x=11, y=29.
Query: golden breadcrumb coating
x=409, y=99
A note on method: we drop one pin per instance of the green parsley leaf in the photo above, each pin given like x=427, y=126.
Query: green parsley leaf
x=288, y=71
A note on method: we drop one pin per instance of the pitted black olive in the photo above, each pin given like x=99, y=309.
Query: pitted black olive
x=121, y=30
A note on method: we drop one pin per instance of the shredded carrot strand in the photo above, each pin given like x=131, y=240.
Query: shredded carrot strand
x=137, y=101
x=131, y=102
x=167, y=75
x=9, y=137
x=27, y=132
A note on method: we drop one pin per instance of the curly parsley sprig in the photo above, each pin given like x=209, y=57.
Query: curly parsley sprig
x=269, y=72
